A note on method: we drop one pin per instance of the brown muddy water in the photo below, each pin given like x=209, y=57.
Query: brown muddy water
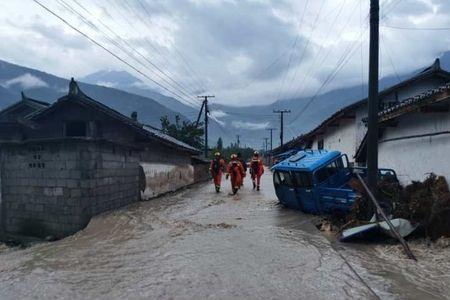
x=198, y=245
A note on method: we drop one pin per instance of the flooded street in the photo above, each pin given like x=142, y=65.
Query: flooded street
x=197, y=244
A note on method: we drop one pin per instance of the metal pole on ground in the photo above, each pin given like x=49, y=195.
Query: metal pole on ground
x=391, y=226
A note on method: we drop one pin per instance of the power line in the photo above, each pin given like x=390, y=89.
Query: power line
x=105, y=49
x=268, y=67
x=115, y=43
x=118, y=10
x=383, y=47
x=302, y=54
x=292, y=51
x=416, y=28
x=183, y=59
x=306, y=77
x=341, y=63
x=144, y=7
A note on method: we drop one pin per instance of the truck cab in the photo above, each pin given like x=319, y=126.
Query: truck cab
x=316, y=181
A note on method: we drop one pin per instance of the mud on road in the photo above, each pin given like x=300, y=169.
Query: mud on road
x=195, y=244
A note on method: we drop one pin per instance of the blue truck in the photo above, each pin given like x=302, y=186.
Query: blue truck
x=316, y=181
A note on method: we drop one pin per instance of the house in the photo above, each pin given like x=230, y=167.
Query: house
x=345, y=129
x=414, y=137
x=77, y=158
x=13, y=119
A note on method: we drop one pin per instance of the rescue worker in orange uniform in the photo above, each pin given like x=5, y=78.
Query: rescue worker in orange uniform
x=256, y=170
x=216, y=168
x=236, y=173
x=244, y=165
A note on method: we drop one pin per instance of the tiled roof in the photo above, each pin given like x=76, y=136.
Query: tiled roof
x=76, y=94
x=160, y=135
x=33, y=103
x=415, y=102
x=409, y=105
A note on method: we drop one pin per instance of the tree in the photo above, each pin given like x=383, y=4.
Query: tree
x=185, y=131
x=219, y=144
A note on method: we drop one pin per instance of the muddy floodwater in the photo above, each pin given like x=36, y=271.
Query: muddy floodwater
x=198, y=245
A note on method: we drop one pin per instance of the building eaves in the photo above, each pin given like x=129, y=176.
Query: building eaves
x=434, y=69
x=156, y=133
x=33, y=103
x=75, y=94
x=412, y=104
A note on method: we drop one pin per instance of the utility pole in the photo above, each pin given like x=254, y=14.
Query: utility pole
x=266, y=139
x=372, y=130
x=238, y=141
x=281, y=112
x=271, y=137
x=205, y=105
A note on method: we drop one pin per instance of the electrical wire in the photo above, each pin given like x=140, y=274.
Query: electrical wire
x=169, y=79
x=94, y=41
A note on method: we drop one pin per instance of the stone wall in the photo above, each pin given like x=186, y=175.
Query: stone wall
x=54, y=187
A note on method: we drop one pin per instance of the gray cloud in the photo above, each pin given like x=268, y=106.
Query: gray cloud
x=238, y=49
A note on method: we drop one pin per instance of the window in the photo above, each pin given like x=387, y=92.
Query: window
x=284, y=178
x=302, y=179
x=320, y=144
x=329, y=170
x=276, y=179
x=76, y=129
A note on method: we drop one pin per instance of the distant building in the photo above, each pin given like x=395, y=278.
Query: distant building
x=345, y=129
x=63, y=163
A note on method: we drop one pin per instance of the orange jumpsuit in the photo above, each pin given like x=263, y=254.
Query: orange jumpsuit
x=236, y=172
x=217, y=167
x=257, y=170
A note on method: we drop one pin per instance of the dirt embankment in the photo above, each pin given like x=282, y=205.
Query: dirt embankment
x=425, y=203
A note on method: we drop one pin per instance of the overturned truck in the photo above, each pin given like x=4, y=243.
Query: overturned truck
x=317, y=181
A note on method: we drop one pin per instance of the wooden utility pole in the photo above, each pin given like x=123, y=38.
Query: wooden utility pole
x=266, y=143
x=238, y=141
x=205, y=105
x=281, y=112
x=271, y=137
x=373, y=107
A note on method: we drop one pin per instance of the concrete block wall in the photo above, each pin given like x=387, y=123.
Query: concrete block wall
x=41, y=191
x=115, y=179
x=55, y=187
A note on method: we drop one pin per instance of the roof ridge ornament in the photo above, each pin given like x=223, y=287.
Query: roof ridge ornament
x=24, y=98
x=437, y=64
x=74, y=89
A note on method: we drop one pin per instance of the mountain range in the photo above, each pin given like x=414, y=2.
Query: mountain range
x=126, y=93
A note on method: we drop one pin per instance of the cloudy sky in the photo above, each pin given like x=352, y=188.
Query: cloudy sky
x=244, y=51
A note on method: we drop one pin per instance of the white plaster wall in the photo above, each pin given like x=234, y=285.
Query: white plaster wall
x=413, y=159
x=163, y=178
x=341, y=138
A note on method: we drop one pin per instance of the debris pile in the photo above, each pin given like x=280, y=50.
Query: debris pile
x=426, y=203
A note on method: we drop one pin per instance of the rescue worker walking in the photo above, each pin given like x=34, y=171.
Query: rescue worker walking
x=244, y=165
x=216, y=168
x=235, y=172
x=256, y=170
